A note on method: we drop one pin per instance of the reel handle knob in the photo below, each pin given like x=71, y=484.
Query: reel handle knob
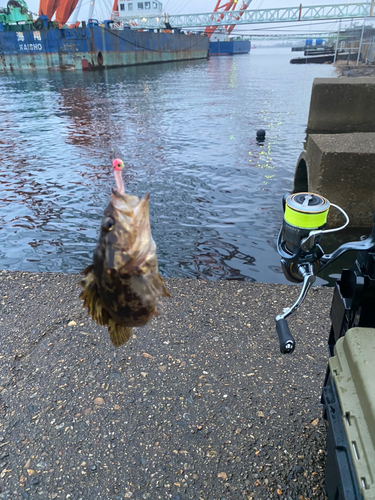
x=286, y=340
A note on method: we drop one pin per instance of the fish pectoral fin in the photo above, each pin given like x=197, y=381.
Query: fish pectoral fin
x=165, y=291
x=88, y=269
x=92, y=301
x=162, y=288
x=118, y=334
x=158, y=309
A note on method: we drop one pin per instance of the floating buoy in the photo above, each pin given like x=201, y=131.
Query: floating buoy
x=261, y=134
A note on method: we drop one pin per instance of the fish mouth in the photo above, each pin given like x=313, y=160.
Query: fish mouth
x=116, y=192
x=122, y=204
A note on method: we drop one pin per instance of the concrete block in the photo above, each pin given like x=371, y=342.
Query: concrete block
x=340, y=167
x=342, y=105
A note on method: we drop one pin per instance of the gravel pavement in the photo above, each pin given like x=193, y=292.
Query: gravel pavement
x=200, y=404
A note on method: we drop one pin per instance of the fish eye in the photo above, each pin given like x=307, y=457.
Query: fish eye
x=108, y=224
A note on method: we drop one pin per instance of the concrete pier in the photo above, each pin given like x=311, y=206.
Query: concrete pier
x=342, y=106
x=340, y=166
x=339, y=157
x=200, y=404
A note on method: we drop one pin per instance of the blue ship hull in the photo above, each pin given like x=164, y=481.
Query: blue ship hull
x=229, y=48
x=95, y=47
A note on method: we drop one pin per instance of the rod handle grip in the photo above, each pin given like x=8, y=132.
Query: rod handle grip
x=286, y=340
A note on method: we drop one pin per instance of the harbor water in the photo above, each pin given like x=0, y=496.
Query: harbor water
x=187, y=134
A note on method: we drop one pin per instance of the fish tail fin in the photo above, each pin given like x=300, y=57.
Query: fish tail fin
x=119, y=334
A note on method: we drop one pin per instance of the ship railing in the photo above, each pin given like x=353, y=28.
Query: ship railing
x=120, y=23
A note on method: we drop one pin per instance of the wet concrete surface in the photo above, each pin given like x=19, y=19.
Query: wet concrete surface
x=200, y=404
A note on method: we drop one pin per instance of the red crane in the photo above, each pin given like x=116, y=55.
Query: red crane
x=230, y=5
x=61, y=8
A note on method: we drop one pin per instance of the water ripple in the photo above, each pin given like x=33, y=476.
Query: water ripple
x=187, y=134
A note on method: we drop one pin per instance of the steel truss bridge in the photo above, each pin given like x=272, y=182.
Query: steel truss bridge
x=298, y=36
x=279, y=15
x=295, y=36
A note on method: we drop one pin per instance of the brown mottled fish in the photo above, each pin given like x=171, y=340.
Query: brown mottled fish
x=122, y=286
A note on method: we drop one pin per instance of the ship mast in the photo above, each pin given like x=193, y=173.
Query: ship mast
x=91, y=9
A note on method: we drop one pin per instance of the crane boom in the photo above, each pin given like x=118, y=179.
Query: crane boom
x=244, y=6
x=231, y=4
x=225, y=7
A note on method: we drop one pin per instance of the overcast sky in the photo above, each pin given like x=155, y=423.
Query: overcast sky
x=194, y=6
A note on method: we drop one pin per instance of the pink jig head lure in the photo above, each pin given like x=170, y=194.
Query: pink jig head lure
x=118, y=165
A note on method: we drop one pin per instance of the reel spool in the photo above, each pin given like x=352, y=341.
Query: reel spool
x=303, y=213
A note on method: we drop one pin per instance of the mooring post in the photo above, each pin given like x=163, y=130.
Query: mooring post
x=337, y=42
x=360, y=43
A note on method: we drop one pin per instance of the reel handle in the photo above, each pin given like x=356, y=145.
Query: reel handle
x=286, y=340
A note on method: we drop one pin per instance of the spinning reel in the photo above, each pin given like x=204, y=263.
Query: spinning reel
x=305, y=217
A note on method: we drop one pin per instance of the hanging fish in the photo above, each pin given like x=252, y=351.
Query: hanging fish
x=122, y=286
